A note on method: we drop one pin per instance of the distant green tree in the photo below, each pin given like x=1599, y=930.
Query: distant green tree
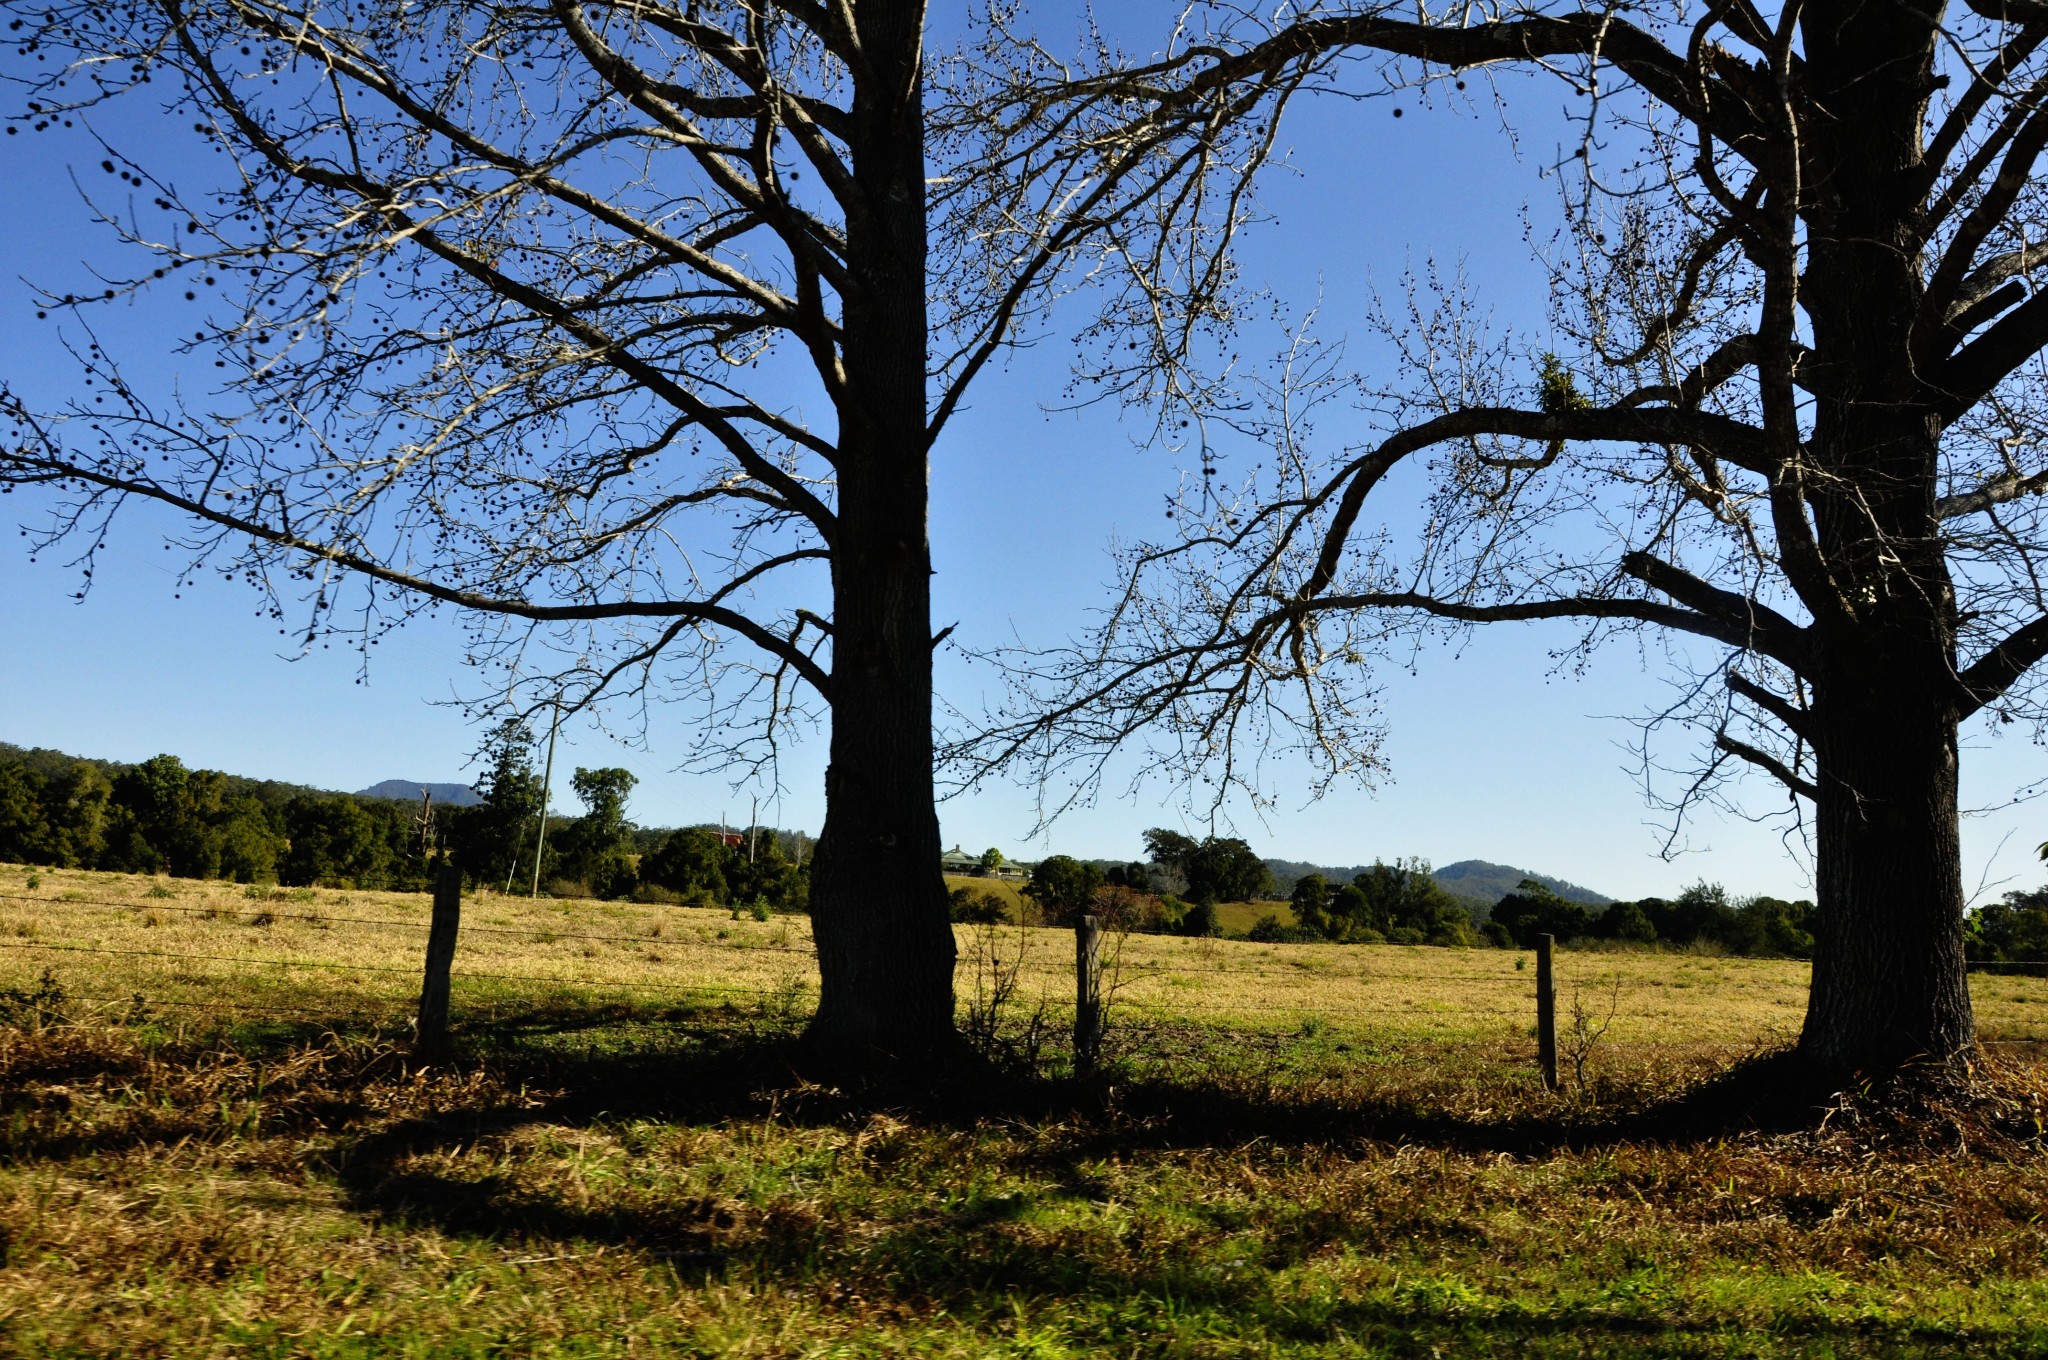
x=75, y=807
x=54, y=815
x=1702, y=912
x=500, y=829
x=760, y=870
x=1627, y=922
x=2014, y=929
x=1063, y=887
x=1350, y=915
x=335, y=841
x=1533, y=909
x=250, y=842
x=1405, y=897
x=595, y=850
x=975, y=906
x=1770, y=926
x=1215, y=869
x=691, y=864
x=1137, y=877
x=991, y=860
x=1311, y=902
x=24, y=832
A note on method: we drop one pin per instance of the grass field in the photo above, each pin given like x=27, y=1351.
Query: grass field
x=1299, y=1150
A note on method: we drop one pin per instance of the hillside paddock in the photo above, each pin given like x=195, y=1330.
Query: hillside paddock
x=214, y=1141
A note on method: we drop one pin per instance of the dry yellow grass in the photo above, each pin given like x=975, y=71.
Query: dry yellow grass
x=1010, y=894
x=1378, y=1172
x=313, y=953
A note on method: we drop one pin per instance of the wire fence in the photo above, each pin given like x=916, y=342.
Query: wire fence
x=1129, y=988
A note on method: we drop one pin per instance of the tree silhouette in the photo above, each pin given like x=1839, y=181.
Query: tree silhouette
x=1794, y=413
x=628, y=330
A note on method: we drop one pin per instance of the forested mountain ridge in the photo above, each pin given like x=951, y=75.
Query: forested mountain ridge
x=1480, y=880
x=447, y=795
x=1491, y=882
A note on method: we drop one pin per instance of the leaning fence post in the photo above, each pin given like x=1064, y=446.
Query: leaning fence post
x=1546, y=1013
x=432, y=1029
x=1087, y=994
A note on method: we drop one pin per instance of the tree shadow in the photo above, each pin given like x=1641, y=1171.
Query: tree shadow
x=698, y=1066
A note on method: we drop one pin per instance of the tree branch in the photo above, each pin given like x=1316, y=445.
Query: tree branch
x=1995, y=672
x=281, y=536
x=1768, y=763
x=1794, y=720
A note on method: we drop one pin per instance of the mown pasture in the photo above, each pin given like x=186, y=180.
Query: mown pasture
x=216, y=1142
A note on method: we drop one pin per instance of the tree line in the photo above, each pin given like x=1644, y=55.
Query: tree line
x=1177, y=888
x=160, y=817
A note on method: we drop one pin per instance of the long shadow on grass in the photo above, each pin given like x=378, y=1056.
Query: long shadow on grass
x=704, y=1076
x=978, y=1258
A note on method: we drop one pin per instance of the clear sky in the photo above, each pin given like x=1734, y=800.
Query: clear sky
x=1492, y=756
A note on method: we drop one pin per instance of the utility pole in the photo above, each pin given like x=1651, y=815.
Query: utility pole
x=547, y=791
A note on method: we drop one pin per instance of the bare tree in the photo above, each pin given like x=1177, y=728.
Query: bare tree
x=1799, y=418
x=627, y=329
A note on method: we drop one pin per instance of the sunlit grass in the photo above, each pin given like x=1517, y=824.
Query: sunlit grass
x=1300, y=1151
x=322, y=950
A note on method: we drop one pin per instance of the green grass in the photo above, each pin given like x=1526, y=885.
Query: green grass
x=636, y=1173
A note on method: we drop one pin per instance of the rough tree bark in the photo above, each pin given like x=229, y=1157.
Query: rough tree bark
x=878, y=900
x=1889, y=977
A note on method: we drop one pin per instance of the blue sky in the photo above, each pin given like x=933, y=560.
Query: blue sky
x=1491, y=755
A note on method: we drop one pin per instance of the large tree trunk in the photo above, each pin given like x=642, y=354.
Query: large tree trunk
x=1889, y=982
x=878, y=901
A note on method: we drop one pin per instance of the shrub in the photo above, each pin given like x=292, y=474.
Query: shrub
x=972, y=906
x=1200, y=921
x=1625, y=921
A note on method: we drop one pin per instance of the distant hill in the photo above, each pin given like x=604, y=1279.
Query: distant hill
x=1478, y=882
x=1491, y=882
x=408, y=790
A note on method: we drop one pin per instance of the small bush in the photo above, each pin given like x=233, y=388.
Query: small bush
x=1270, y=931
x=972, y=906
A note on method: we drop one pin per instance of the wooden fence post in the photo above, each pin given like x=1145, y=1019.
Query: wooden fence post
x=432, y=1028
x=1087, y=994
x=1546, y=1013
